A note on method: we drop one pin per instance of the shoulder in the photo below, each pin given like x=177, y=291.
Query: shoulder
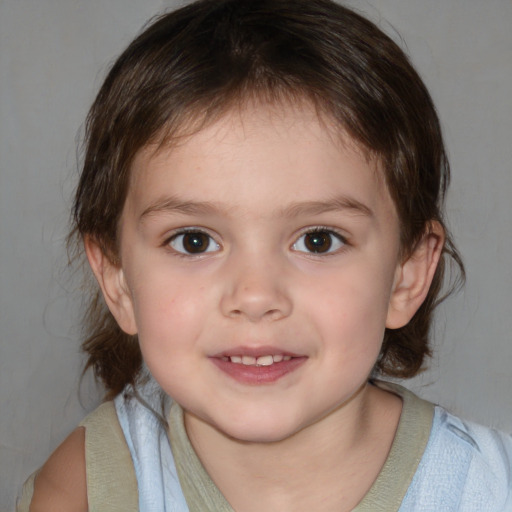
x=465, y=464
x=87, y=471
x=61, y=483
x=490, y=468
x=488, y=449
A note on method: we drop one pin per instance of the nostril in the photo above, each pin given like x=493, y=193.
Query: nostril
x=255, y=316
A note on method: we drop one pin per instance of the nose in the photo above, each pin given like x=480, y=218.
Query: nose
x=256, y=290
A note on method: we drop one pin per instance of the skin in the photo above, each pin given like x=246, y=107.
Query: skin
x=61, y=485
x=255, y=184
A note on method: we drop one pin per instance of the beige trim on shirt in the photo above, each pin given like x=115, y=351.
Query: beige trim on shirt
x=411, y=438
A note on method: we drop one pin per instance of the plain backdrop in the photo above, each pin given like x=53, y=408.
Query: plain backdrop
x=53, y=56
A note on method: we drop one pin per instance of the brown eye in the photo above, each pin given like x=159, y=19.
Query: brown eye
x=193, y=242
x=319, y=242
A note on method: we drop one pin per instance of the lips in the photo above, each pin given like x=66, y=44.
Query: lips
x=263, y=365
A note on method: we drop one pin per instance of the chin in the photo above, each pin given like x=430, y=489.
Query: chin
x=258, y=430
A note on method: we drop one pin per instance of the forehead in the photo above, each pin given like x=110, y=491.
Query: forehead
x=255, y=151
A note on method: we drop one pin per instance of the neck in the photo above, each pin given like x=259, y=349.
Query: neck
x=348, y=446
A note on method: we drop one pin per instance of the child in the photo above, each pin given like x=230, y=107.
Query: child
x=261, y=205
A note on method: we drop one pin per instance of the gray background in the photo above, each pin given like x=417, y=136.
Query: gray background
x=53, y=56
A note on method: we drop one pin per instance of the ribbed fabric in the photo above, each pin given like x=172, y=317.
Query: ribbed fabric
x=411, y=438
x=199, y=490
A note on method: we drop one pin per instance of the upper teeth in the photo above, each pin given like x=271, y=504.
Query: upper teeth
x=258, y=361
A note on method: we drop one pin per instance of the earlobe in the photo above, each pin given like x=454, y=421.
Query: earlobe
x=414, y=277
x=111, y=279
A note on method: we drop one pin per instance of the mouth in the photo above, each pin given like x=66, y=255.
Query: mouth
x=267, y=360
x=257, y=367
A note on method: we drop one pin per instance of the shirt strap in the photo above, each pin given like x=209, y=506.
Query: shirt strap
x=109, y=465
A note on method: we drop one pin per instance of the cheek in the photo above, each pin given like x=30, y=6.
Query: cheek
x=171, y=325
x=356, y=296
x=169, y=314
x=350, y=311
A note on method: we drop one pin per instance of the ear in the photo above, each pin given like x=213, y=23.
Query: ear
x=110, y=277
x=414, y=277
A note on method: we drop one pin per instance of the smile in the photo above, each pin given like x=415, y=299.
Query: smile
x=257, y=366
x=267, y=360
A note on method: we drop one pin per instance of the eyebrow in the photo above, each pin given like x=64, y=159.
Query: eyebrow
x=339, y=203
x=175, y=205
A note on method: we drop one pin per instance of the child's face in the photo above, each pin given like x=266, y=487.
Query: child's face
x=261, y=237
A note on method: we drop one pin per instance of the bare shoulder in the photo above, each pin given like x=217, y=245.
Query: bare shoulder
x=61, y=485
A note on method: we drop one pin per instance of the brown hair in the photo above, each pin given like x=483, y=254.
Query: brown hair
x=194, y=63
